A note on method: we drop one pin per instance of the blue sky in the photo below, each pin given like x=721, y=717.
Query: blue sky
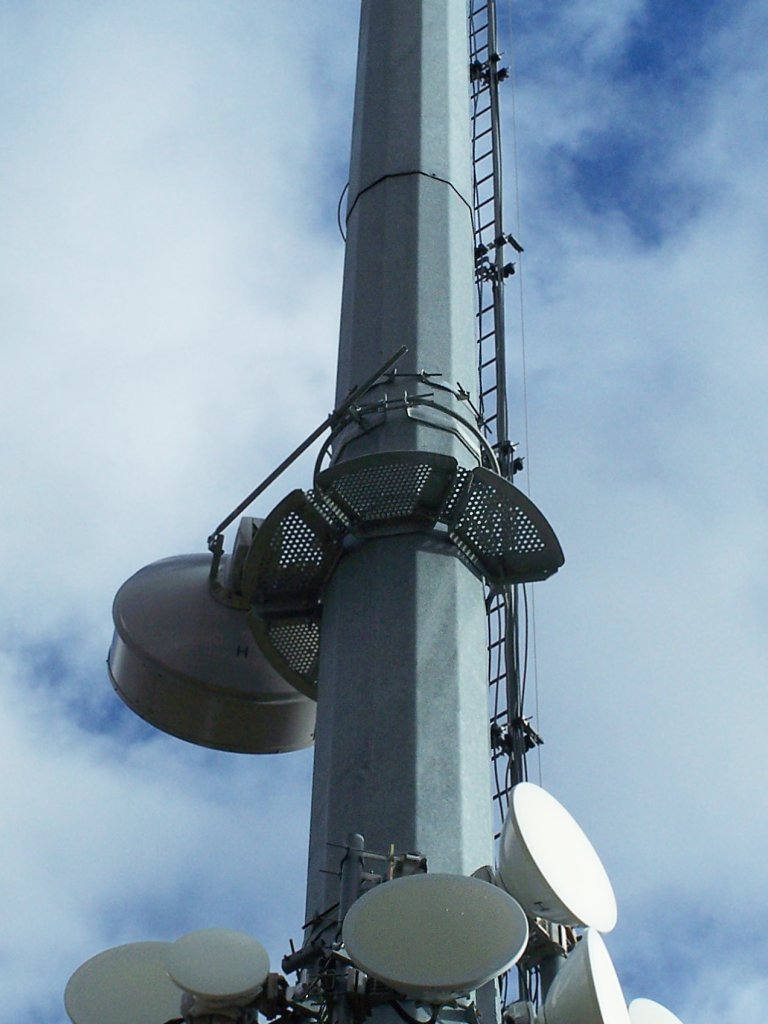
x=170, y=286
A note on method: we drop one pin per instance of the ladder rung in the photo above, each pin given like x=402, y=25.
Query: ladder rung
x=485, y=131
x=485, y=202
x=482, y=181
x=479, y=113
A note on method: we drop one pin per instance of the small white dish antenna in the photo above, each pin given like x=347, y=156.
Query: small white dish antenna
x=645, y=1011
x=586, y=989
x=547, y=863
x=218, y=964
x=435, y=937
x=123, y=985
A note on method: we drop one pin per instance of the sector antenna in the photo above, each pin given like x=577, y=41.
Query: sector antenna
x=371, y=612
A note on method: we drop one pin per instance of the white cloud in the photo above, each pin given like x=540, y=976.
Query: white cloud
x=107, y=842
x=647, y=383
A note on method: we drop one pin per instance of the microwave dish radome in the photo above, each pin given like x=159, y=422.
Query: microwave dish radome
x=435, y=937
x=549, y=865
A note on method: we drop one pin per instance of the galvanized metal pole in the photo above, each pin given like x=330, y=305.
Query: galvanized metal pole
x=402, y=748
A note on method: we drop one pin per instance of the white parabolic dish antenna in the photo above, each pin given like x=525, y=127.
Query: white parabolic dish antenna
x=645, y=1011
x=547, y=863
x=586, y=989
x=190, y=665
x=218, y=964
x=435, y=937
x=124, y=985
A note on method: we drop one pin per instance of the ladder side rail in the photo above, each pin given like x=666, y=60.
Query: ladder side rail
x=502, y=424
x=503, y=627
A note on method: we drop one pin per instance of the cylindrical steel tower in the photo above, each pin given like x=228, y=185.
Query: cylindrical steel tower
x=367, y=596
x=402, y=750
